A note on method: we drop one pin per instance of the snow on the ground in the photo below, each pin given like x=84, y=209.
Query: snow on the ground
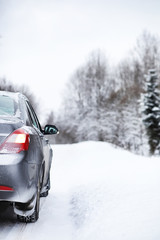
x=98, y=193
x=113, y=193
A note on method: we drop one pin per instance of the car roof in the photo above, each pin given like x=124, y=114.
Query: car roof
x=14, y=95
x=9, y=94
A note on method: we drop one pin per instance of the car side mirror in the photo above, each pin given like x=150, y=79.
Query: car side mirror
x=50, y=129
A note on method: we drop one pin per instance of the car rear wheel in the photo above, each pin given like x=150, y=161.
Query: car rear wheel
x=35, y=215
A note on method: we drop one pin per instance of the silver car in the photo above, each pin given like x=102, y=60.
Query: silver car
x=25, y=156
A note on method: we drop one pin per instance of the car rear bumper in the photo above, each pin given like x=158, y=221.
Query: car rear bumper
x=19, y=175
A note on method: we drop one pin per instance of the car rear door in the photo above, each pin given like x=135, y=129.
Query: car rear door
x=43, y=142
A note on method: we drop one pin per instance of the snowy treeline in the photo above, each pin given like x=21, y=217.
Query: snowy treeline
x=103, y=103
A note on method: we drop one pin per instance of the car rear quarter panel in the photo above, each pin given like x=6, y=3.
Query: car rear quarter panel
x=21, y=171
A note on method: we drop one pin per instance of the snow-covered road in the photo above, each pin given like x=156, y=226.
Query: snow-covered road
x=98, y=193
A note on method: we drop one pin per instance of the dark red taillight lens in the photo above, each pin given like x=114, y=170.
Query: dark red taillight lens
x=16, y=142
x=5, y=188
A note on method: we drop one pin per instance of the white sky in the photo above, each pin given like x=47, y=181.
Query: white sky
x=44, y=41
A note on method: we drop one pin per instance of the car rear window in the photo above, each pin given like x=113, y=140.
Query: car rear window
x=7, y=105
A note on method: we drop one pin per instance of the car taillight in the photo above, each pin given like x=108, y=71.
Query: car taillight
x=16, y=142
x=5, y=188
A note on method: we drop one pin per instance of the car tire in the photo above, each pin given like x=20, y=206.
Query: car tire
x=35, y=215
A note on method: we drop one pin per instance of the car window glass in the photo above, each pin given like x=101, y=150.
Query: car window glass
x=7, y=105
x=33, y=116
x=33, y=121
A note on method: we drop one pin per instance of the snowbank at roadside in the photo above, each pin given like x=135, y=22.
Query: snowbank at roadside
x=114, y=194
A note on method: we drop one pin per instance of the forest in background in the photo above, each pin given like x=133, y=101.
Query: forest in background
x=103, y=102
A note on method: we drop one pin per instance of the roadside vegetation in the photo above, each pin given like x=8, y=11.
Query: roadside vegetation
x=106, y=103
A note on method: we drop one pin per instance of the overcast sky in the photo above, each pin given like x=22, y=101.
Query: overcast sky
x=44, y=41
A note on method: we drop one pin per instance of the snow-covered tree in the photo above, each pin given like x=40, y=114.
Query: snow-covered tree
x=85, y=101
x=147, y=51
x=152, y=111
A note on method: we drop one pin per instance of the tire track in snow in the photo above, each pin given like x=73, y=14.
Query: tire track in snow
x=20, y=231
